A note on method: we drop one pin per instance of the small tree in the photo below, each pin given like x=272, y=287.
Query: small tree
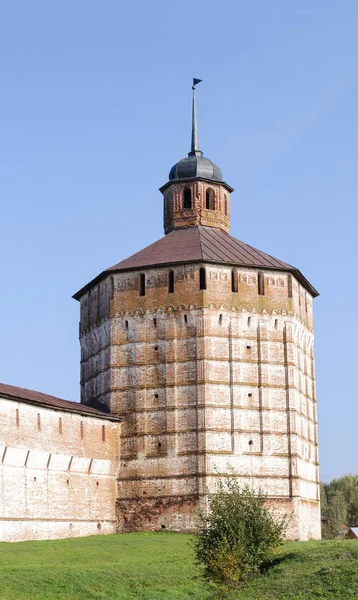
x=237, y=534
x=336, y=515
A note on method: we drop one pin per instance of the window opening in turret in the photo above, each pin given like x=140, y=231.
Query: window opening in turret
x=187, y=198
x=142, y=284
x=171, y=282
x=225, y=205
x=234, y=281
x=202, y=276
x=210, y=199
x=261, y=284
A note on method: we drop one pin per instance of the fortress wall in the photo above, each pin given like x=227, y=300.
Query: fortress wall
x=57, y=473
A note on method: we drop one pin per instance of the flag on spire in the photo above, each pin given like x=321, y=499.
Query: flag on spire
x=195, y=82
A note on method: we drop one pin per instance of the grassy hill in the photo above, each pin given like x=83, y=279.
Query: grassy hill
x=159, y=566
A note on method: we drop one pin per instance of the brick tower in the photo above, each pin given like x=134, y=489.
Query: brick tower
x=204, y=345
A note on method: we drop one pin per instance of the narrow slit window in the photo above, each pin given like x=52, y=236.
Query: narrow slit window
x=261, y=284
x=202, y=276
x=126, y=324
x=171, y=282
x=17, y=417
x=289, y=286
x=82, y=430
x=39, y=421
x=276, y=323
x=103, y=433
x=249, y=322
x=142, y=284
x=220, y=320
x=185, y=319
x=154, y=322
x=60, y=426
x=187, y=198
x=234, y=281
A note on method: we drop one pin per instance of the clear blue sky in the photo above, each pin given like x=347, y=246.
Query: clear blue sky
x=95, y=109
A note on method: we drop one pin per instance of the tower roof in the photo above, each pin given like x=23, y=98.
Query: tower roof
x=195, y=165
x=200, y=244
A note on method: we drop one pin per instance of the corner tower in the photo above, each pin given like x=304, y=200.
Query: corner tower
x=204, y=345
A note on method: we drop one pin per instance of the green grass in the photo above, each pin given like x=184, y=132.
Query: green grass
x=159, y=566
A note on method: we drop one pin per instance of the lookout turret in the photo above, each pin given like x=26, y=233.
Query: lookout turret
x=196, y=193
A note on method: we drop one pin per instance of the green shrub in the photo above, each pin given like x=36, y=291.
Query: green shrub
x=237, y=535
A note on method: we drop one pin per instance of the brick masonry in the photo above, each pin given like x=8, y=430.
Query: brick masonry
x=57, y=474
x=208, y=381
x=213, y=372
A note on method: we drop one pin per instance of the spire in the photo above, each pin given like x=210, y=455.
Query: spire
x=194, y=127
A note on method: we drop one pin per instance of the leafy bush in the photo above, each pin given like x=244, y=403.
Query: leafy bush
x=237, y=535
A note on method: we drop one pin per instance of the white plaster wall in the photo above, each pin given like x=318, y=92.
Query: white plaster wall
x=57, y=473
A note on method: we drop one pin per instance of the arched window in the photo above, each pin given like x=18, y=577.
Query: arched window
x=202, y=276
x=171, y=282
x=234, y=281
x=187, y=198
x=210, y=199
x=225, y=205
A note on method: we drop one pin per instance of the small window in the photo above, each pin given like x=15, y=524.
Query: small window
x=111, y=285
x=103, y=433
x=156, y=395
x=187, y=198
x=126, y=324
x=220, y=320
x=289, y=286
x=225, y=205
x=82, y=430
x=276, y=323
x=156, y=348
x=17, y=417
x=249, y=322
x=185, y=319
x=171, y=282
x=142, y=284
x=202, y=276
x=154, y=322
x=210, y=199
x=60, y=426
x=234, y=281
x=261, y=284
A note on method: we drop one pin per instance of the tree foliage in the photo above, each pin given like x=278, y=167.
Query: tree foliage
x=237, y=535
x=339, y=504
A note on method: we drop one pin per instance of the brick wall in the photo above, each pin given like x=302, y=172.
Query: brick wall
x=57, y=473
x=207, y=380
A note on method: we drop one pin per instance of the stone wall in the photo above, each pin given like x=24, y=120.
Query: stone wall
x=57, y=474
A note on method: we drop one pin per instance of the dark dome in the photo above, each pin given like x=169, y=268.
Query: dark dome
x=195, y=166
